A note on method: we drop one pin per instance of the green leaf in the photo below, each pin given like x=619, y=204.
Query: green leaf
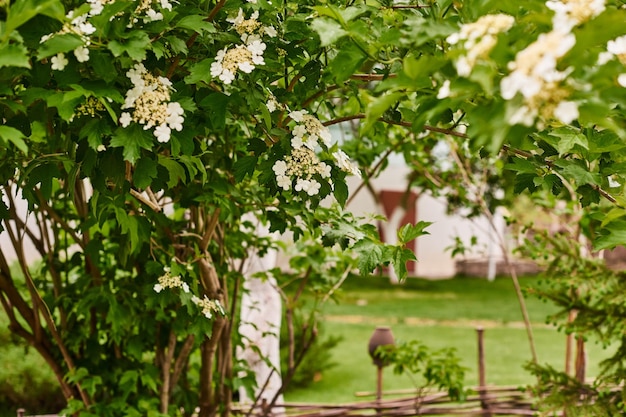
x=613, y=235
x=132, y=139
x=567, y=139
x=378, y=107
x=216, y=105
x=574, y=170
x=21, y=11
x=525, y=181
x=175, y=170
x=196, y=23
x=244, y=166
x=95, y=131
x=12, y=135
x=65, y=103
x=612, y=215
x=102, y=64
x=200, y=71
x=370, y=255
x=341, y=192
x=59, y=44
x=14, y=55
x=328, y=30
x=135, y=45
x=408, y=232
x=522, y=165
x=347, y=61
x=400, y=257
x=145, y=172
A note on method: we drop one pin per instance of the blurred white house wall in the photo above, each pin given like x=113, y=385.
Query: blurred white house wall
x=434, y=259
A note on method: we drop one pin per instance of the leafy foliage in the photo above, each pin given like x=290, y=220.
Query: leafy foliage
x=139, y=133
x=440, y=369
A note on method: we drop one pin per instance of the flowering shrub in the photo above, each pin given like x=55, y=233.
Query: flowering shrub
x=140, y=132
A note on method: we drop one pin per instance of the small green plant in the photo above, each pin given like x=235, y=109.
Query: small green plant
x=439, y=369
x=318, y=357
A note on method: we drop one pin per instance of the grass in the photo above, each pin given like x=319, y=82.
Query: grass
x=440, y=314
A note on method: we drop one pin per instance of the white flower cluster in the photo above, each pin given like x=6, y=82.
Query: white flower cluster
x=78, y=25
x=478, y=39
x=146, y=7
x=273, y=104
x=535, y=76
x=244, y=57
x=150, y=100
x=534, y=72
x=345, y=164
x=168, y=281
x=571, y=13
x=616, y=48
x=303, y=164
x=208, y=307
x=308, y=130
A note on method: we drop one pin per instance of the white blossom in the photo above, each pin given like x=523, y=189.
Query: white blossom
x=535, y=76
x=59, y=62
x=82, y=54
x=241, y=57
x=444, y=90
x=345, y=164
x=125, y=119
x=477, y=39
x=150, y=102
x=566, y=111
x=168, y=281
x=270, y=31
x=571, y=13
x=162, y=133
x=153, y=16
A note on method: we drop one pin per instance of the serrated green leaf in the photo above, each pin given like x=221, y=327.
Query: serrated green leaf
x=59, y=44
x=175, y=170
x=573, y=170
x=22, y=11
x=132, y=139
x=103, y=65
x=244, y=166
x=613, y=235
x=521, y=165
x=370, y=255
x=135, y=45
x=200, y=71
x=216, y=105
x=564, y=140
x=525, y=181
x=347, y=61
x=614, y=214
x=12, y=135
x=14, y=55
x=196, y=23
x=145, y=172
x=328, y=30
x=399, y=258
x=408, y=232
x=95, y=131
x=378, y=107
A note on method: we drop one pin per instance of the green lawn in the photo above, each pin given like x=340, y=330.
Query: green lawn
x=440, y=314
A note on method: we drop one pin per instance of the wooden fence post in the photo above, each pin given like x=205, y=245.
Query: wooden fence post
x=484, y=404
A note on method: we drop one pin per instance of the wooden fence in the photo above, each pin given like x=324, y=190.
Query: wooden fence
x=485, y=402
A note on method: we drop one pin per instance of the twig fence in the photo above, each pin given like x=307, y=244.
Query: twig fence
x=485, y=402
